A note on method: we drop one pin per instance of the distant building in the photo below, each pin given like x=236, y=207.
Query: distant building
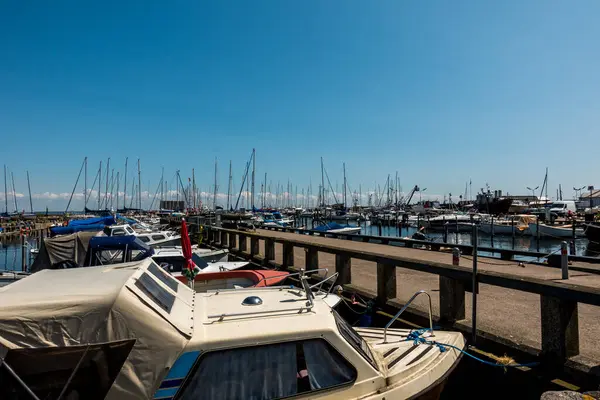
x=585, y=198
x=172, y=205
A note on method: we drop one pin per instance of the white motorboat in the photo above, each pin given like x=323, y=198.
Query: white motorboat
x=454, y=222
x=505, y=226
x=555, y=231
x=172, y=260
x=152, y=239
x=332, y=227
x=134, y=332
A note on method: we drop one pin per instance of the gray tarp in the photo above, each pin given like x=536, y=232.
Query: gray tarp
x=71, y=247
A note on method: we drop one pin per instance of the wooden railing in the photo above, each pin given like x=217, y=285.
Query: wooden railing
x=467, y=249
x=559, y=316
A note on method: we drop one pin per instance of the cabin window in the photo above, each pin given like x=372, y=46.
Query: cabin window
x=354, y=339
x=172, y=264
x=268, y=372
x=158, y=237
x=159, y=295
x=130, y=231
x=118, y=232
x=144, y=239
x=84, y=372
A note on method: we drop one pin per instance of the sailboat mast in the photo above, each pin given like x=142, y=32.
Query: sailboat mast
x=125, y=185
x=345, y=185
x=253, y=172
x=112, y=187
x=85, y=186
x=29, y=188
x=117, y=199
x=215, y=189
x=162, y=188
x=5, y=192
x=264, y=202
x=359, y=194
x=322, y=184
x=229, y=184
x=106, y=187
x=99, y=183
x=14, y=192
x=194, y=187
x=140, y=186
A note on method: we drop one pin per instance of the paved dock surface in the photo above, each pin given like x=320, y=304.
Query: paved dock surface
x=508, y=313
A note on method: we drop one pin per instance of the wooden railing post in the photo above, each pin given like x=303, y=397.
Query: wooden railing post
x=452, y=299
x=254, y=245
x=224, y=239
x=386, y=282
x=288, y=255
x=232, y=240
x=560, y=329
x=215, y=236
x=342, y=266
x=243, y=243
x=269, y=250
x=311, y=260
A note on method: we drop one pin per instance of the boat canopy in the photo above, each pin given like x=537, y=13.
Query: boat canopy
x=83, y=225
x=128, y=242
x=107, y=332
x=108, y=220
x=67, y=230
x=62, y=249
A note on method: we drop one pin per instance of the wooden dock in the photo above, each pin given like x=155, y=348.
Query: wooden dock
x=525, y=306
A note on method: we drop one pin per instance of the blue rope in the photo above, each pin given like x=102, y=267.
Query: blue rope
x=416, y=337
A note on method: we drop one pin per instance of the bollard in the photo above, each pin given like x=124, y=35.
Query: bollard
x=537, y=233
x=572, y=249
x=564, y=260
x=445, y=232
x=24, y=253
x=455, y=256
x=514, y=228
x=492, y=231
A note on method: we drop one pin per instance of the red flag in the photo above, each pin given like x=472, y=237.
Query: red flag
x=186, y=246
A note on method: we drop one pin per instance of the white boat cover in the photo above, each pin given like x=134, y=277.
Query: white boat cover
x=97, y=305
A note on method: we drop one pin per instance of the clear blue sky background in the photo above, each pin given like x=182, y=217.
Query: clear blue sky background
x=441, y=91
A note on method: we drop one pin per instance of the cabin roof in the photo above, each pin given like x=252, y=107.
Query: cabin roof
x=220, y=315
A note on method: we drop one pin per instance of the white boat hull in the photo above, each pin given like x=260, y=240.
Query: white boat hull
x=554, y=231
x=504, y=229
x=350, y=231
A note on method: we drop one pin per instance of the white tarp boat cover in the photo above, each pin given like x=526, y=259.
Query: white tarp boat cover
x=133, y=312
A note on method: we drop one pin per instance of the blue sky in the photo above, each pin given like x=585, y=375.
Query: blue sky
x=440, y=91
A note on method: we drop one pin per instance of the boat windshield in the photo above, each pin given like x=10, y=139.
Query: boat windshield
x=354, y=339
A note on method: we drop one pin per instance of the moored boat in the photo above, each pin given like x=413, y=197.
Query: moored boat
x=333, y=227
x=505, y=226
x=555, y=231
x=592, y=232
x=134, y=332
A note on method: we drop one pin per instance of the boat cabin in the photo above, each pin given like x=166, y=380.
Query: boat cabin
x=154, y=239
x=134, y=331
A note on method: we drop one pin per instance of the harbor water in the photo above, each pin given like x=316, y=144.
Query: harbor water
x=11, y=253
x=521, y=242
